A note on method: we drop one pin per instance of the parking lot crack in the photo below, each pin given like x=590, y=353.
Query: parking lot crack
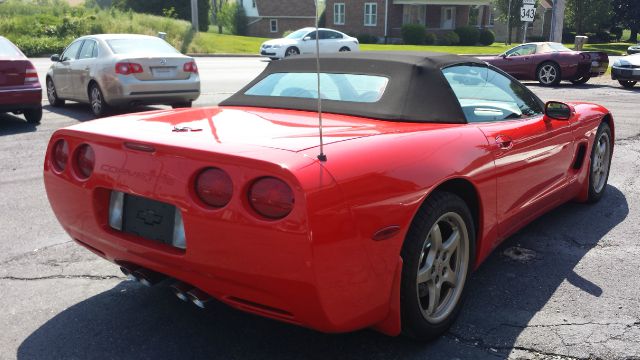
x=52, y=277
x=491, y=349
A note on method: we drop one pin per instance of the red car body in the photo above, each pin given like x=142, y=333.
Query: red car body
x=577, y=66
x=20, y=89
x=333, y=264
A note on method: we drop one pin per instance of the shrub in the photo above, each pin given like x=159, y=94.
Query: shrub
x=41, y=46
x=448, y=38
x=568, y=37
x=367, y=39
x=414, y=34
x=240, y=21
x=469, y=35
x=429, y=38
x=487, y=37
x=616, y=32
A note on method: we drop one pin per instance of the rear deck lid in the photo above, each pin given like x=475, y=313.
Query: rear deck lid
x=214, y=129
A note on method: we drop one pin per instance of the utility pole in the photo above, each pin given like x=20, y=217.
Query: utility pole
x=194, y=15
x=508, y=41
x=557, y=21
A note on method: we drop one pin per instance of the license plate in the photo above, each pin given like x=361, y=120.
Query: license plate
x=146, y=218
x=163, y=72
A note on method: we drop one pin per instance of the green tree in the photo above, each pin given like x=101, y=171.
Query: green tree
x=216, y=8
x=226, y=16
x=627, y=14
x=585, y=16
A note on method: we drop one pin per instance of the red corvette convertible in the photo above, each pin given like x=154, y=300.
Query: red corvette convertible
x=431, y=161
x=550, y=63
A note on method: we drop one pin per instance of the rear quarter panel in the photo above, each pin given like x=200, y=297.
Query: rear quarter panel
x=384, y=180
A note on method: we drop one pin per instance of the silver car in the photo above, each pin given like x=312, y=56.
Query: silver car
x=115, y=70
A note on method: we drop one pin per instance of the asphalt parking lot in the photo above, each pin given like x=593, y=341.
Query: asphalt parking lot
x=566, y=286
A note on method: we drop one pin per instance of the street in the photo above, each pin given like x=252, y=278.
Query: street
x=565, y=286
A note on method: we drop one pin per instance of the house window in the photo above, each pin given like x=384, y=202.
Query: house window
x=273, y=24
x=370, y=14
x=414, y=14
x=338, y=14
x=492, y=18
x=448, y=17
x=253, y=4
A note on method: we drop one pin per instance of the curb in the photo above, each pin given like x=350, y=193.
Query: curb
x=225, y=55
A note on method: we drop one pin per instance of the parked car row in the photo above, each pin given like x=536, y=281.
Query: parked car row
x=118, y=70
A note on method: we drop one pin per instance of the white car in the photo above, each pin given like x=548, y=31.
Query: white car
x=303, y=42
x=626, y=70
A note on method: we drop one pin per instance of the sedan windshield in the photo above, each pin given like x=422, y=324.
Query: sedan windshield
x=297, y=35
x=338, y=87
x=140, y=45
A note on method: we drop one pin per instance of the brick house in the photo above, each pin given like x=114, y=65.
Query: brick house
x=384, y=18
x=271, y=18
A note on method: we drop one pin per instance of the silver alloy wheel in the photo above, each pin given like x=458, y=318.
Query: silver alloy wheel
x=290, y=52
x=442, y=268
x=96, y=100
x=547, y=74
x=51, y=91
x=601, y=159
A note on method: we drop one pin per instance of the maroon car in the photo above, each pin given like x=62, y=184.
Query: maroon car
x=550, y=62
x=20, y=91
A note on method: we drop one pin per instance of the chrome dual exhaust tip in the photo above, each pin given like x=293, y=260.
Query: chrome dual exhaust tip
x=181, y=289
x=198, y=297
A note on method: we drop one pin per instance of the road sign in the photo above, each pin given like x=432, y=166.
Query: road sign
x=528, y=2
x=527, y=13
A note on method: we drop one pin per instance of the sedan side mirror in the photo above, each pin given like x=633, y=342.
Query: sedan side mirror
x=55, y=58
x=306, y=38
x=557, y=110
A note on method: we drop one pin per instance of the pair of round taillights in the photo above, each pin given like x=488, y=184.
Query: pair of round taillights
x=84, y=159
x=268, y=196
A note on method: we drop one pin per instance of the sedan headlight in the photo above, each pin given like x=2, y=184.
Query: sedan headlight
x=617, y=63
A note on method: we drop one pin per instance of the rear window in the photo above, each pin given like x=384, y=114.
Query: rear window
x=338, y=87
x=141, y=45
x=7, y=49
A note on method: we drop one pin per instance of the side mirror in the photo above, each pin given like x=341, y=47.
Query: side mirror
x=306, y=38
x=55, y=58
x=503, y=55
x=557, y=110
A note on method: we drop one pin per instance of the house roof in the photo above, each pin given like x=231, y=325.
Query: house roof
x=417, y=90
x=286, y=8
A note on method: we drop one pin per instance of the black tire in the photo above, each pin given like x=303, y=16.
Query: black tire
x=344, y=49
x=548, y=74
x=416, y=255
x=52, y=94
x=97, y=103
x=291, y=51
x=582, y=80
x=600, y=163
x=33, y=116
x=186, y=104
x=627, y=84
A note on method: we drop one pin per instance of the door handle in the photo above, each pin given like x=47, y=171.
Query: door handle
x=504, y=142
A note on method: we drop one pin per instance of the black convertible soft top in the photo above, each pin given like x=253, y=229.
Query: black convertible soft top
x=417, y=90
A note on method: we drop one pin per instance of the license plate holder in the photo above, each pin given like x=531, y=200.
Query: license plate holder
x=149, y=219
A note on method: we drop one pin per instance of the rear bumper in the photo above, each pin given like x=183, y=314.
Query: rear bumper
x=19, y=98
x=625, y=74
x=283, y=270
x=124, y=90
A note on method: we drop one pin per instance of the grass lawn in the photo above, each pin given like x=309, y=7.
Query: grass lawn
x=214, y=43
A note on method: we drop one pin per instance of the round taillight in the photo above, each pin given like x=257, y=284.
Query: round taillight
x=214, y=187
x=60, y=155
x=271, y=198
x=85, y=160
